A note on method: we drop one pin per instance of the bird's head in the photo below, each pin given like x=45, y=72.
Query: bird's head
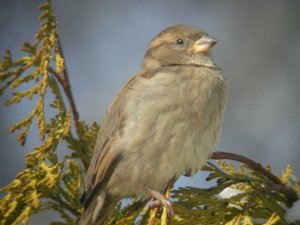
x=180, y=44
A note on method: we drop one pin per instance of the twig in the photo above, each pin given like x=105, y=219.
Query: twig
x=65, y=82
x=57, y=76
x=64, y=204
x=290, y=193
x=62, y=82
x=67, y=89
x=66, y=85
x=153, y=214
x=164, y=216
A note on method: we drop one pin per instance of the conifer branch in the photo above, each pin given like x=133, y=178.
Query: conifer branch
x=290, y=193
x=59, y=201
x=66, y=85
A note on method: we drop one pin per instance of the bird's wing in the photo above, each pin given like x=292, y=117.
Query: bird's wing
x=104, y=161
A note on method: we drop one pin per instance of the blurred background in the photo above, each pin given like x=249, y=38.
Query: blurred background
x=104, y=44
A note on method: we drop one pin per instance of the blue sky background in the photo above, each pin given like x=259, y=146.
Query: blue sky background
x=104, y=44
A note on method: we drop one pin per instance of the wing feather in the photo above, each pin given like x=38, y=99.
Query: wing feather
x=103, y=160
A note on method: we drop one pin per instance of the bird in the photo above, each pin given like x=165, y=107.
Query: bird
x=163, y=123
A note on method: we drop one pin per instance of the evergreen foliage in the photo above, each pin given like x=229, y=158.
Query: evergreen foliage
x=46, y=183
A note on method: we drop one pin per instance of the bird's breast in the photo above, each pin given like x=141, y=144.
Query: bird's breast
x=173, y=119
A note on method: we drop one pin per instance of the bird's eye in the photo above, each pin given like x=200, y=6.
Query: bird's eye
x=179, y=41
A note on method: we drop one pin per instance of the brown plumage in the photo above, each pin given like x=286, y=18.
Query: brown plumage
x=163, y=123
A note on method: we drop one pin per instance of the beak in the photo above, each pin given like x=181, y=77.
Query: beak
x=204, y=44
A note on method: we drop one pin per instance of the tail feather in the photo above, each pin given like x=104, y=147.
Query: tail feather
x=98, y=210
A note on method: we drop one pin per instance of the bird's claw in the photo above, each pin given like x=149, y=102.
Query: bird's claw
x=161, y=200
x=154, y=204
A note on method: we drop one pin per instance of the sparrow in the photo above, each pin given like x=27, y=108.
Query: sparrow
x=163, y=123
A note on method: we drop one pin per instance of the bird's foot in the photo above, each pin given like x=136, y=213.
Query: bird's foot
x=161, y=200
